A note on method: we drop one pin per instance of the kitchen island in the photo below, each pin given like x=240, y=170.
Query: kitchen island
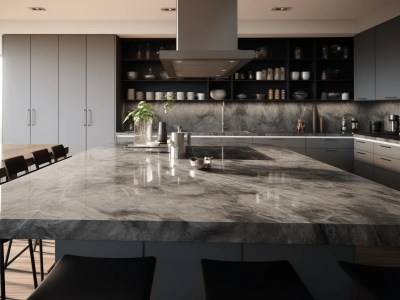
x=255, y=202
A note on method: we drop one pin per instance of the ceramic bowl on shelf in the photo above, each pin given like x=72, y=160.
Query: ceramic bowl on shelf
x=299, y=95
x=241, y=96
x=218, y=94
x=132, y=75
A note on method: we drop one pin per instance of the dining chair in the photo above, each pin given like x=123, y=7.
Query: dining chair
x=15, y=166
x=373, y=282
x=41, y=157
x=92, y=278
x=59, y=152
x=236, y=280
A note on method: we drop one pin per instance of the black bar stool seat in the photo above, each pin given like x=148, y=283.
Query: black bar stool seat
x=90, y=278
x=373, y=282
x=235, y=280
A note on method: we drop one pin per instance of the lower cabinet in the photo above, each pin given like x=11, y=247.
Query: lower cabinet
x=377, y=161
x=337, y=152
x=296, y=144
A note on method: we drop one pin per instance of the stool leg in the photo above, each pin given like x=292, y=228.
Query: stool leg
x=41, y=260
x=2, y=272
x=35, y=284
x=8, y=252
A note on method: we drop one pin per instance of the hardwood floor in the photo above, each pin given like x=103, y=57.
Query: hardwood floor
x=19, y=279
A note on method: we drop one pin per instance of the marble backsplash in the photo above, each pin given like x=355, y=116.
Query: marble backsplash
x=271, y=117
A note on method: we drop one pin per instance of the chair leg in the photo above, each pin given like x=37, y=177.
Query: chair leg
x=8, y=252
x=2, y=273
x=35, y=283
x=41, y=260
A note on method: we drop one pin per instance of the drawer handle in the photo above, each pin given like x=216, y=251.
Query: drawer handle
x=330, y=150
x=385, y=159
x=362, y=98
x=363, y=153
x=383, y=146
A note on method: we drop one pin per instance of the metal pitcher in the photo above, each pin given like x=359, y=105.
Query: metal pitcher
x=177, y=145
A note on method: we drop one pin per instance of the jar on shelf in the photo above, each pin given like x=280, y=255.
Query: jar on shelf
x=346, y=54
x=270, y=94
x=148, y=53
x=324, y=75
x=298, y=53
x=277, y=94
x=251, y=76
x=139, y=52
x=325, y=51
x=283, y=94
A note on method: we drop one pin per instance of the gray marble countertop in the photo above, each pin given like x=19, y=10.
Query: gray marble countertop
x=257, y=194
x=392, y=139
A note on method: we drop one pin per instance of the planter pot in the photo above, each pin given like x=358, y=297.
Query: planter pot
x=143, y=132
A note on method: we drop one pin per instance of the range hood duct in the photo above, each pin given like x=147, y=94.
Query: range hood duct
x=206, y=42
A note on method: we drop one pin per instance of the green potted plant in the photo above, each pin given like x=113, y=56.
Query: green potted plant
x=142, y=118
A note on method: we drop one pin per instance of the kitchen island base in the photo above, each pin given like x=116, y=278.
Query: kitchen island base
x=178, y=271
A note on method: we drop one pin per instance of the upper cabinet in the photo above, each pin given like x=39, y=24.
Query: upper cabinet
x=377, y=62
x=364, y=65
x=388, y=60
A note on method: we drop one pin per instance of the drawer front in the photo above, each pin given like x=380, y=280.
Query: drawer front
x=330, y=143
x=387, y=150
x=387, y=178
x=363, y=145
x=387, y=163
x=364, y=156
x=340, y=158
x=281, y=142
x=364, y=170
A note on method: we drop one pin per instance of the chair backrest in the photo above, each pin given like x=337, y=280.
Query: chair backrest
x=14, y=166
x=59, y=152
x=41, y=157
x=3, y=175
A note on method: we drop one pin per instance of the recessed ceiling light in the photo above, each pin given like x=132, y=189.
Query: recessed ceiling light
x=37, y=8
x=281, y=8
x=168, y=9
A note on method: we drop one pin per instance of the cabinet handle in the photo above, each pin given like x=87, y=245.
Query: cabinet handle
x=329, y=140
x=390, y=97
x=28, y=117
x=363, y=153
x=90, y=117
x=362, y=98
x=383, y=146
x=84, y=117
x=33, y=117
x=385, y=159
x=330, y=150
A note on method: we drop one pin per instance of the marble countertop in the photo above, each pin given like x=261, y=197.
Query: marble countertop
x=380, y=137
x=257, y=194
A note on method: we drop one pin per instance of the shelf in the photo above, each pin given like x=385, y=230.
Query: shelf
x=140, y=60
x=242, y=100
x=267, y=59
x=335, y=59
x=335, y=80
x=310, y=80
x=302, y=60
x=254, y=80
x=168, y=80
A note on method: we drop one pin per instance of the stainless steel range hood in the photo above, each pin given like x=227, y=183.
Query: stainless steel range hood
x=206, y=40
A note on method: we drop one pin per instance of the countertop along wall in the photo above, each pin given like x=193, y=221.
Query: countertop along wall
x=270, y=117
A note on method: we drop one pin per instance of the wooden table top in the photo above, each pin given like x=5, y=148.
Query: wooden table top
x=12, y=150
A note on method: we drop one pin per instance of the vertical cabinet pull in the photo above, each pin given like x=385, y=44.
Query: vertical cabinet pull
x=90, y=117
x=84, y=117
x=28, y=117
x=33, y=117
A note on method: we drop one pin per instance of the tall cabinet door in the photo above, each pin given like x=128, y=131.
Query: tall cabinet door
x=100, y=89
x=44, y=89
x=16, y=89
x=387, y=60
x=364, y=65
x=72, y=92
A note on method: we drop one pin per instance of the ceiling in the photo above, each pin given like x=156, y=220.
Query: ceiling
x=145, y=18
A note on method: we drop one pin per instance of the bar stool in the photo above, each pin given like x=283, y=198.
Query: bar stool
x=41, y=157
x=235, y=280
x=373, y=282
x=59, y=152
x=91, y=278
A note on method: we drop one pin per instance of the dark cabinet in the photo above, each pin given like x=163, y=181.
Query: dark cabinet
x=388, y=60
x=364, y=65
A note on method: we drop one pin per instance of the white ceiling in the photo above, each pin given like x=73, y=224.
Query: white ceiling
x=145, y=18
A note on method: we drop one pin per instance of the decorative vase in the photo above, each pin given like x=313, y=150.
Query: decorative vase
x=143, y=132
x=162, y=132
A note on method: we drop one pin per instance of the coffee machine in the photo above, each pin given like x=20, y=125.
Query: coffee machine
x=394, y=123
